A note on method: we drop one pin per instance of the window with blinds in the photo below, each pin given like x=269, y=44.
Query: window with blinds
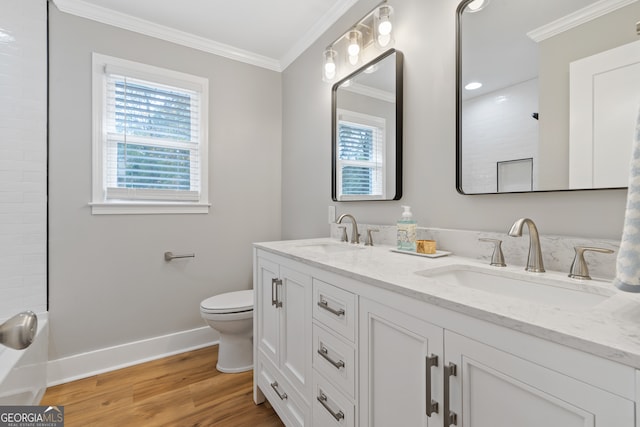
x=361, y=150
x=152, y=133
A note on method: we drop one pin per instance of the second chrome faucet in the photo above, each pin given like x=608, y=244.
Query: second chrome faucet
x=534, y=258
x=355, y=236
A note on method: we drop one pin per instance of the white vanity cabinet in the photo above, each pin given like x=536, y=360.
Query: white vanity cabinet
x=493, y=388
x=400, y=375
x=282, y=328
x=335, y=351
x=415, y=373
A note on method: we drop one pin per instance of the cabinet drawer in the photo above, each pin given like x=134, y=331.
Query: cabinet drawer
x=282, y=396
x=330, y=407
x=335, y=308
x=335, y=359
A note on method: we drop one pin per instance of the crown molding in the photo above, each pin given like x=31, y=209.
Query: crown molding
x=371, y=92
x=131, y=23
x=316, y=31
x=576, y=18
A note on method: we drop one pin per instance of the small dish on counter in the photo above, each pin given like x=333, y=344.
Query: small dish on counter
x=438, y=253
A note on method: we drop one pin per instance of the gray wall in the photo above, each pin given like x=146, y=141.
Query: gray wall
x=426, y=35
x=108, y=281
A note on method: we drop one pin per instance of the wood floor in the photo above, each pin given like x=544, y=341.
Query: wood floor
x=182, y=390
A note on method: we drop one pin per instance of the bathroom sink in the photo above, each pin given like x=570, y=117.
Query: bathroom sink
x=332, y=247
x=528, y=287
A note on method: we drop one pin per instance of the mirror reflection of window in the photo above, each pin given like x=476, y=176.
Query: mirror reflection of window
x=361, y=148
x=366, y=134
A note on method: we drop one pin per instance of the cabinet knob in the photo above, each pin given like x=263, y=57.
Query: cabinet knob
x=325, y=305
x=322, y=398
x=450, y=417
x=274, y=386
x=432, y=405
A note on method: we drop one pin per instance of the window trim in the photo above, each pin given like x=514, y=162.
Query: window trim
x=99, y=203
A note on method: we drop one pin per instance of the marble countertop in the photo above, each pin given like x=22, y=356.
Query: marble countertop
x=609, y=329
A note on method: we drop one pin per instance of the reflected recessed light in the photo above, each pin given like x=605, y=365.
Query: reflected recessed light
x=473, y=86
x=476, y=6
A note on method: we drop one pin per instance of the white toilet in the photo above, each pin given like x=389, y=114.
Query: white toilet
x=231, y=314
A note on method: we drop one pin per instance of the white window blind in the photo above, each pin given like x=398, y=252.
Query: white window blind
x=360, y=156
x=152, y=141
x=150, y=135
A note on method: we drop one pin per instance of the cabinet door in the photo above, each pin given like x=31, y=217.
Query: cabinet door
x=493, y=388
x=296, y=329
x=268, y=323
x=396, y=380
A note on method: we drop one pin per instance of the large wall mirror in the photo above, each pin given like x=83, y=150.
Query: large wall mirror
x=366, y=136
x=548, y=94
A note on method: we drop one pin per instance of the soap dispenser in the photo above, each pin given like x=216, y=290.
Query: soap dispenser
x=407, y=231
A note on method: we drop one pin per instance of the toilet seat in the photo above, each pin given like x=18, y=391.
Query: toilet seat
x=230, y=302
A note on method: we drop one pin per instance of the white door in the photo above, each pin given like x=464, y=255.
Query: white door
x=604, y=105
x=493, y=388
x=398, y=376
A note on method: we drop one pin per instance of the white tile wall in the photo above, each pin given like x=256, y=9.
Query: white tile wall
x=23, y=156
x=498, y=127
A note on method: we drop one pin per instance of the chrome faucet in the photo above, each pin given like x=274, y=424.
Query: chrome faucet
x=534, y=258
x=355, y=237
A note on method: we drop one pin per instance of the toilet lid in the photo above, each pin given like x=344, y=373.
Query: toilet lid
x=230, y=302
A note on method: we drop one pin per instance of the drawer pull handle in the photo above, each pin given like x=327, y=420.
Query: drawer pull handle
x=274, y=386
x=325, y=354
x=323, y=401
x=450, y=417
x=274, y=292
x=432, y=405
x=325, y=305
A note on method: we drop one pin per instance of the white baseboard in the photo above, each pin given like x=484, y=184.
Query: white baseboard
x=111, y=358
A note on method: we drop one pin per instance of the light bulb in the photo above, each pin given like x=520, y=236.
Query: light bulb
x=330, y=70
x=353, y=49
x=329, y=66
x=353, y=59
x=383, y=40
x=384, y=27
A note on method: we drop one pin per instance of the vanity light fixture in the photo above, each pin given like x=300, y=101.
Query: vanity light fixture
x=354, y=47
x=329, y=67
x=383, y=25
x=476, y=6
x=374, y=30
x=473, y=86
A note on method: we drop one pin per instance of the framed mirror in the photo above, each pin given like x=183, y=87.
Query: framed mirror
x=366, y=135
x=547, y=94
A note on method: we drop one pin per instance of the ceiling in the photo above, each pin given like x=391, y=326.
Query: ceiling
x=498, y=44
x=270, y=34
